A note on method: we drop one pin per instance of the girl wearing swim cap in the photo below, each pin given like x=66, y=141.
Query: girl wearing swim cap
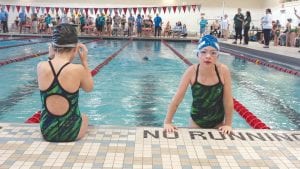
x=210, y=82
x=59, y=81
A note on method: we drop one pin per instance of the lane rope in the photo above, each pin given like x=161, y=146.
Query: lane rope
x=23, y=44
x=249, y=117
x=262, y=62
x=22, y=58
x=23, y=38
x=35, y=118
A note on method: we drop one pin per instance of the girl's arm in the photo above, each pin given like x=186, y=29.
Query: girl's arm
x=185, y=81
x=227, y=101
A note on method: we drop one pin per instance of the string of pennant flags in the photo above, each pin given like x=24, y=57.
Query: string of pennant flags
x=134, y=10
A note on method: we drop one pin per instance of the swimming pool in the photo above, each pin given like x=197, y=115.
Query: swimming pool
x=132, y=92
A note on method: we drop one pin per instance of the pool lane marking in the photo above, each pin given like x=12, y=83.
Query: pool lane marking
x=19, y=59
x=23, y=44
x=242, y=110
x=24, y=38
x=108, y=59
x=260, y=61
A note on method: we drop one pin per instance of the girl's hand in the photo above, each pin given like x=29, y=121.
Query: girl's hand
x=82, y=50
x=170, y=128
x=225, y=129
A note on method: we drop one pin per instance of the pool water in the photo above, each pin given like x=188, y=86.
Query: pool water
x=130, y=91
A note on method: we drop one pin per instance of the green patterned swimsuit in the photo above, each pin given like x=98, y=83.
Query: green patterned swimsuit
x=63, y=128
x=207, y=108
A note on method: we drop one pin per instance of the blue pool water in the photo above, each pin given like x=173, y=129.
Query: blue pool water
x=132, y=92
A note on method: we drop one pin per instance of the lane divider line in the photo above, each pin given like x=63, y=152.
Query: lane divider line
x=35, y=118
x=262, y=62
x=108, y=59
x=23, y=44
x=249, y=117
x=22, y=58
x=24, y=38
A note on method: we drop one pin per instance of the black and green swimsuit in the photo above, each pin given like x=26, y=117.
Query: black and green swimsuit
x=207, y=108
x=63, y=128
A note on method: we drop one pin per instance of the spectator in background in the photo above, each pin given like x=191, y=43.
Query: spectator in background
x=298, y=16
x=116, y=24
x=100, y=22
x=203, y=24
x=225, y=27
x=131, y=21
x=184, y=31
x=177, y=29
x=49, y=24
x=123, y=22
x=139, y=24
x=157, y=25
x=108, y=24
x=64, y=18
x=4, y=19
x=22, y=17
x=167, y=29
x=276, y=32
x=247, y=27
x=215, y=29
x=267, y=27
x=34, y=19
x=82, y=22
x=238, y=25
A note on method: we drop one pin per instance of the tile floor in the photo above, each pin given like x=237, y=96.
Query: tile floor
x=21, y=146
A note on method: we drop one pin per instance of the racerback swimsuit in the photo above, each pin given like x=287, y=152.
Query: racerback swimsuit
x=62, y=128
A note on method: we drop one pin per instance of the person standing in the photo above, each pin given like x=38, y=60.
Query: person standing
x=225, y=27
x=22, y=17
x=108, y=25
x=4, y=19
x=298, y=16
x=64, y=17
x=238, y=25
x=267, y=27
x=203, y=24
x=34, y=19
x=139, y=24
x=131, y=21
x=157, y=25
x=82, y=22
x=49, y=24
x=247, y=27
x=123, y=22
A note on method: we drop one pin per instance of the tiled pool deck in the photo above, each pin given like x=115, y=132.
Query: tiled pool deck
x=21, y=146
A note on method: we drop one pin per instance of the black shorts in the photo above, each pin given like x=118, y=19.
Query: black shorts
x=98, y=28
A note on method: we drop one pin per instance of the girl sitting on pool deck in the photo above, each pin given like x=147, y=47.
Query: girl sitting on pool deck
x=210, y=82
x=59, y=81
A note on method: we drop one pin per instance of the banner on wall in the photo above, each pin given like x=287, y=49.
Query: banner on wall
x=135, y=10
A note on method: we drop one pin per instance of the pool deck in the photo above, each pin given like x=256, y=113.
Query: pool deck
x=22, y=146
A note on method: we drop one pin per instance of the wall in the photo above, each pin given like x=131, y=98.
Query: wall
x=212, y=8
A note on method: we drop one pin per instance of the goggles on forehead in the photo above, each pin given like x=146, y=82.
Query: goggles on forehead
x=73, y=45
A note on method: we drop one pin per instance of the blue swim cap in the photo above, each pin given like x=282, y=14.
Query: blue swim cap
x=208, y=40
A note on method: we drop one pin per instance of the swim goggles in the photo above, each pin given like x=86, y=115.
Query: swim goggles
x=73, y=45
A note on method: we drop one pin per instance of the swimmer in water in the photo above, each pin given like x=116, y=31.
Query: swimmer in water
x=145, y=58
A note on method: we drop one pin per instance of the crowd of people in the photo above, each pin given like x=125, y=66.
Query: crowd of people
x=269, y=29
x=102, y=24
